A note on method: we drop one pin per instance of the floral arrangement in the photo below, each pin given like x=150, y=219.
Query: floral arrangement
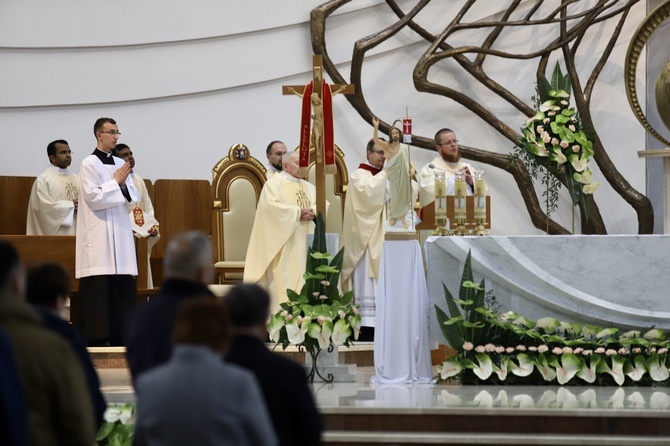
x=554, y=142
x=507, y=348
x=319, y=315
x=118, y=427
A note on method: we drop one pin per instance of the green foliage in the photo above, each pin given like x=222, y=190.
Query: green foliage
x=319, y=314
x=554, y=147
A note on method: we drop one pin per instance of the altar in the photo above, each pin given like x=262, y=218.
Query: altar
x=619, y=280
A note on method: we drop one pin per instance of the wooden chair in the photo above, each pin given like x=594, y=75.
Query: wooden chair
x=336, y=190
x=237, y=181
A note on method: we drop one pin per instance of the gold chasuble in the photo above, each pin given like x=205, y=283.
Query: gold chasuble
x=277, y=250
x=364, y=219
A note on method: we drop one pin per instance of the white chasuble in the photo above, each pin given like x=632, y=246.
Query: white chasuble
x=427, y=178
x=277, y=250
x=51, y=209
x=362, y=239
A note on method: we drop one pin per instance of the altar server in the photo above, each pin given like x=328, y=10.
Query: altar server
x=105, y=257
x=54, y=197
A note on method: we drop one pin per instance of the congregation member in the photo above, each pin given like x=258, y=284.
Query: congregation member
x=142, y=216
x=283, y=381
x=54, y=197
x=274, y=152
x=188, y=267
x=448, y=160
x=285, y=214
x=105, y=256
x=53, y=383
x=363, y=231
x=48, y=288
x=196, y=397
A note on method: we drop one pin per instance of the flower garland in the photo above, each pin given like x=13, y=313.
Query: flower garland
x=507, y=348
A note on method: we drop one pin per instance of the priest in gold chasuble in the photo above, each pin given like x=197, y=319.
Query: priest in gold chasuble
x=277, y=250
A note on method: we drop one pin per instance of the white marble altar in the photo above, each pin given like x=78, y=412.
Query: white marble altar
x=605, y=280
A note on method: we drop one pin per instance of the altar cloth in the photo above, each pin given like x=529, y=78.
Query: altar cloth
x=402, y=339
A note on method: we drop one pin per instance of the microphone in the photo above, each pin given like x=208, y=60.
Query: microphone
x=431, y=165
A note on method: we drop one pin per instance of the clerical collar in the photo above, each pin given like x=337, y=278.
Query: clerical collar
x=59, y=170
x=370, y=168
x=289, y=177
x=105, y=158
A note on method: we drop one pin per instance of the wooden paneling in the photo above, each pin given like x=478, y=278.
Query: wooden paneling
x=180, y=205
x=14, y=197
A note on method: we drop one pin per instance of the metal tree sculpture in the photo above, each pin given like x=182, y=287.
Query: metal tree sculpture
x=572, y=27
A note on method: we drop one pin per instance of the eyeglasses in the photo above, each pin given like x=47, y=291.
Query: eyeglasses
x=448, y=143
x=112, y=132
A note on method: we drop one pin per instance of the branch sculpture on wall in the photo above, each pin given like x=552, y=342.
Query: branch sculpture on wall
x=572, y=24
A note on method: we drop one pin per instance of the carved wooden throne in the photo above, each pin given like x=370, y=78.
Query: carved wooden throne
x=237, y=181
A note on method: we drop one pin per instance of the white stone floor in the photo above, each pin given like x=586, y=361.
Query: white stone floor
x=117, y=388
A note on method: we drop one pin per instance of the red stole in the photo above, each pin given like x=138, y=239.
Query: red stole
x=369, y=168
x=328, y=135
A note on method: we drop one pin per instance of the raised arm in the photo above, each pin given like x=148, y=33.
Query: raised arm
x=383, y=144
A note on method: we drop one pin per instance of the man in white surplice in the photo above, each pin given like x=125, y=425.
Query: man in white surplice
x=141, y=214
x=363, y=231
x=448, y=160
x=105, y=260
x=53, y=200
x=285, y=214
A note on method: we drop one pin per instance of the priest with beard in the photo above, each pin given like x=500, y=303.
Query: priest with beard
x=449, y=160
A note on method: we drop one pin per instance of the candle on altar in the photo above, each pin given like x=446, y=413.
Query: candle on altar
x=440, y=201
x=459, y=198
x=480, y=197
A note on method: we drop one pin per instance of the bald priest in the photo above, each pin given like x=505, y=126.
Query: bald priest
x=277, y=250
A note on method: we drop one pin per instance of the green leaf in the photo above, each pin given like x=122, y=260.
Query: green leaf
x=556, y=78
x=326, y=269
x=452, y=334
x=104, y=431
x=464, y=302
x=543, y=87
x=454, y=320
x=568, y=368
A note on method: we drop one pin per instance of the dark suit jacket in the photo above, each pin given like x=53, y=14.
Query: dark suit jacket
x=148, y=334
x=63, y=328
x=284, y=386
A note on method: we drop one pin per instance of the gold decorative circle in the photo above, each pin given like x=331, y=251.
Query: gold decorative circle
x=637, y=43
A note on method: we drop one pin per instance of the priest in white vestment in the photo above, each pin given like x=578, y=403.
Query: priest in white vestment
x=363, y=231
x=142, y=216
x=285, y=214
x=105, y=258
x=449, y=160
x=54, y=197
x=274, y=152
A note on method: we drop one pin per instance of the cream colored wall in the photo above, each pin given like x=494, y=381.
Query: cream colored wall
x=186, y=80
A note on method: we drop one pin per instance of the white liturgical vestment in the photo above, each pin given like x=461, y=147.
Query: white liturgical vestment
x=427, y=178
x=363, y=237
x=277, y=251
x=51, y=209
x=105, y=243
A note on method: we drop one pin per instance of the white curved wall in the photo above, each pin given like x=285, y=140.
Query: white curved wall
x=186, y=80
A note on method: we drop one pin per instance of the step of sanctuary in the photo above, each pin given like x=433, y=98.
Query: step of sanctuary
x=360, y=354
x=506, y=415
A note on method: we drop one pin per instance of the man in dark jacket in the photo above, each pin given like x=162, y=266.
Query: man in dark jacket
x=48, y=286
x=188, y=268
x=283, y=381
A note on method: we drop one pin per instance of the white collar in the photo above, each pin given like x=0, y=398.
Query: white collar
x=289, y=177
x=59, y=170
